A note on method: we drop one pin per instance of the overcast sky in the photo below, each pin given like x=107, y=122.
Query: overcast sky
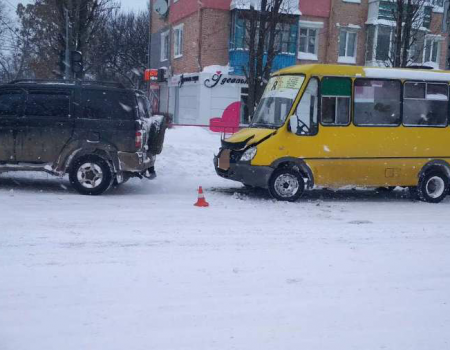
x=126, y=4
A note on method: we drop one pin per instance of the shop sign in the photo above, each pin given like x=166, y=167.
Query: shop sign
x=183, y=79
x=151, y=74
x=220, y=79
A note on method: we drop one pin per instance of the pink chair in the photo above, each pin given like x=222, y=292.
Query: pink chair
x=229, y=123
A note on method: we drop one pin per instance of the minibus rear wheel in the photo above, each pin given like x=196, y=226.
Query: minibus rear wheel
x=433, y=186
x=286, y=184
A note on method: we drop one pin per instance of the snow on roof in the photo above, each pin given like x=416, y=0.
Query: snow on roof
x=216, y=68
x=288, y=6
x=409, y=74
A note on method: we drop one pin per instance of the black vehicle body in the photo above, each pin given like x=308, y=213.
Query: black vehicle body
x=49, y=125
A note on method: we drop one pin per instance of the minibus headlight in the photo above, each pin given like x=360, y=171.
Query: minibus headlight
x=248, y=154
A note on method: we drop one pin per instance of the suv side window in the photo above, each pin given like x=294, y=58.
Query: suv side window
x=48, y=104
x=105, y=104
x=10, y=103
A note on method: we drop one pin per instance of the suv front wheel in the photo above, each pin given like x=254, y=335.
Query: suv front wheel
x=91, y=175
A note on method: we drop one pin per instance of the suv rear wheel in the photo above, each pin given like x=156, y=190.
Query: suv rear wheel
x=91, y=175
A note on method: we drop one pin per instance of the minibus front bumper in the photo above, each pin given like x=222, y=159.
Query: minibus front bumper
x=252, y=175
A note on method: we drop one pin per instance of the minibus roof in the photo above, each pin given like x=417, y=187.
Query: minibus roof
x=367, y=72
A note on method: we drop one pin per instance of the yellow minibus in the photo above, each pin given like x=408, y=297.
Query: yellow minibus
x=334, y=126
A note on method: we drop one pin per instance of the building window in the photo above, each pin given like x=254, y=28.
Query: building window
x=438, y=6
x=432, y=52
x=347, y=46
x=286, y=34
x=283, y=39
x=309, y=40
x=164, y=46
x=416, y=49
x=380, y=46
x=308, y=44
x=178, y=41
x=384, y=41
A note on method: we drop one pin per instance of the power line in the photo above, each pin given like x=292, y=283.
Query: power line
x=10, y=4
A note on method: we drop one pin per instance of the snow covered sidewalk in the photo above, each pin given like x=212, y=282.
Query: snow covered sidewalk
x=142, y=268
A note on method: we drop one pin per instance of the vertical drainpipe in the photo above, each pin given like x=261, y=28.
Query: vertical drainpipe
x=150, y=33
x=446, y=32
x=200, y=34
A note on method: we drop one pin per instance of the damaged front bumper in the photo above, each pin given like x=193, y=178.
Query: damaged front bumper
x=253, y=175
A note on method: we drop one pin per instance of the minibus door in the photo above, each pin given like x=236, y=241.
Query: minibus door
x=304, y=120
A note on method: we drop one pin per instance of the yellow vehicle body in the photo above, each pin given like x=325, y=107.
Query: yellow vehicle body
x=351, y=155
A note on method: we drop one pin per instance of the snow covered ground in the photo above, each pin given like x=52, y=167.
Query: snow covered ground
x=142, y=268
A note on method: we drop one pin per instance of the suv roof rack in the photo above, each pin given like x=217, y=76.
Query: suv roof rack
x=69, y=82
x=39, y=81
x=101, y=83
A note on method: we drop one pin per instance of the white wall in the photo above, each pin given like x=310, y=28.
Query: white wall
x=197, y=103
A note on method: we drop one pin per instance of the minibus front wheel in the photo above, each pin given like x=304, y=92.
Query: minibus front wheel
x=286, y=184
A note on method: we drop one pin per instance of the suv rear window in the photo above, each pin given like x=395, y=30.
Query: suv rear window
x=104, y=104
x=10, y=103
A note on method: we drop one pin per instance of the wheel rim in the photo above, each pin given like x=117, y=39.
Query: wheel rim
x=286, y=185
x=435, y=187
x=90, y=175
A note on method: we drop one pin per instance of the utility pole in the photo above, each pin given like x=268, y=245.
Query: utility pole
x=445, y=25
x=67, y=63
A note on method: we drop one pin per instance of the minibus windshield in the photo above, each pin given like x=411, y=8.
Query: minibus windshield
x=277, y=101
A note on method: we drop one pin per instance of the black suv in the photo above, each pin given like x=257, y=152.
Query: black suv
x=98, y=133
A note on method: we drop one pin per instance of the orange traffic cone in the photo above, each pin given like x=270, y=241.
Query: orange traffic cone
x=201, y=202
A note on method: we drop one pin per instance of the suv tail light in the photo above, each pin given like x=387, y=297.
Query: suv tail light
x=138, y=139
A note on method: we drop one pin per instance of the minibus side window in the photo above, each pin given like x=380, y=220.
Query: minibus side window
x=425, y=104
x=377, y=102
x=304, y=121
x=336, y=94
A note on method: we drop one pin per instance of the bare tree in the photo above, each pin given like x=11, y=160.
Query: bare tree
x=122, y=44
x=411, y=21
x=13, y=48
x=265, y=22
x=45, y=21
